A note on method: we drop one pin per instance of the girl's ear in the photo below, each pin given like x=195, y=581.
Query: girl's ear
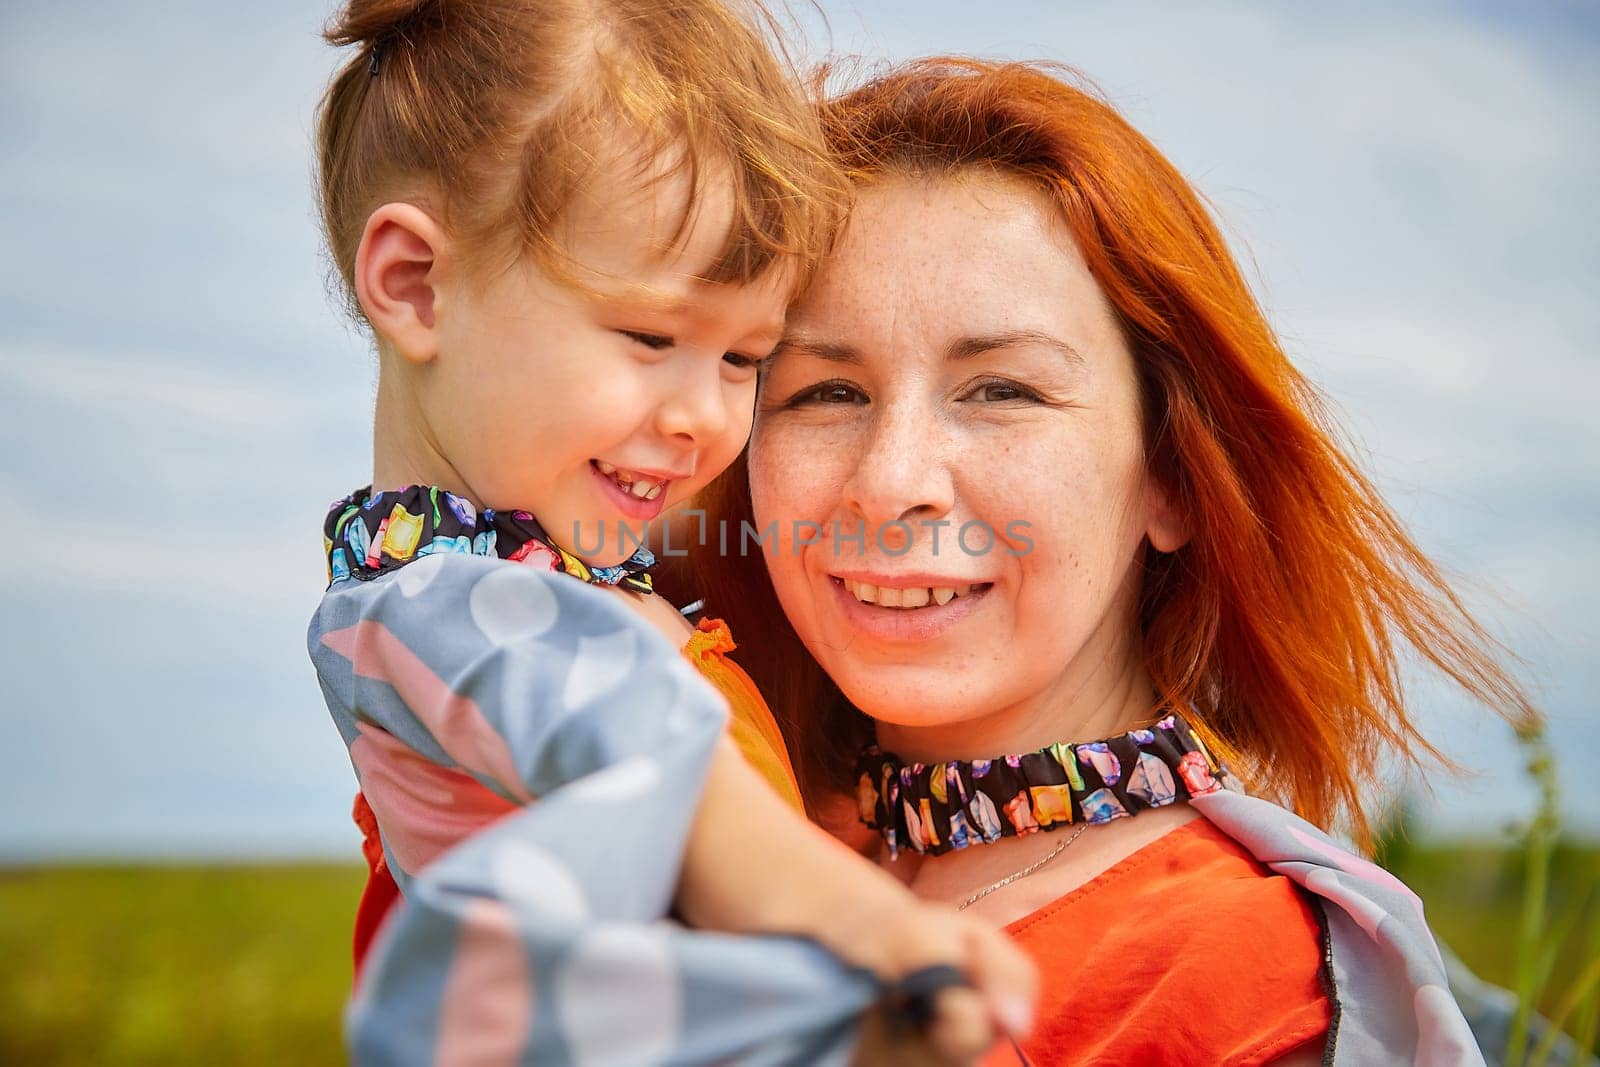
x=398, y=270
x=1168, y=529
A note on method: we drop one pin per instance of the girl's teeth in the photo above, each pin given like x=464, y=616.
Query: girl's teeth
x=866, y=592
x=889, y=598
x=943, y=595
x=913, y=598
x=630, y=483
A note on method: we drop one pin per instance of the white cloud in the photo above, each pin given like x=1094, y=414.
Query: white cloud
x=148, y=388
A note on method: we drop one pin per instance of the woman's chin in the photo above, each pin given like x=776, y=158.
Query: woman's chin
x=917, y=704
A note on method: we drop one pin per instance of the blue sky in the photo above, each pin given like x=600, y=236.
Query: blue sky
x=181, y=399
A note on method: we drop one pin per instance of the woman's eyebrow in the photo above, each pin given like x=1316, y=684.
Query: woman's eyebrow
x=831, y=351
x=967, y=347
x=959, y=349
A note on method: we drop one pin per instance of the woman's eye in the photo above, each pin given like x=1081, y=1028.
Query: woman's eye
x=829, y=393
x=999, y=392
x=652, y=341
x=742, y=361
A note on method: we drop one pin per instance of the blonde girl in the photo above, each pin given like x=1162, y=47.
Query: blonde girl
x=573, y=229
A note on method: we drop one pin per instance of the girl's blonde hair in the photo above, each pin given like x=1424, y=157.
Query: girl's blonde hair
x=494, y=113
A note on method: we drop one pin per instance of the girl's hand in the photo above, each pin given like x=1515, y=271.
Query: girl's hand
x=965, y=1020
x=753, y=865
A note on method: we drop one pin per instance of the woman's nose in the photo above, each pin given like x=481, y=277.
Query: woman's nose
x=695, y=410
x=900, y=474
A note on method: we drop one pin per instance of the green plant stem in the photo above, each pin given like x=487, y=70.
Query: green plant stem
x=1582, y=989
x=1588, y=1010
x=1531, y=948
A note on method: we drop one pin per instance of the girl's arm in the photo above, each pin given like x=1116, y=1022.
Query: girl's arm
x=552, y=695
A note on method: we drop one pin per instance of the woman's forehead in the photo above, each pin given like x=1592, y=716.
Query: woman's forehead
x=941, y=260
x=985, y=205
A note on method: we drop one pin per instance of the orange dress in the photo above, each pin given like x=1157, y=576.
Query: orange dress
x=1187, y=951
x=750, y=725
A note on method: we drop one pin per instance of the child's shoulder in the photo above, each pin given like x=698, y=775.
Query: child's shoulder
x=443, y=576
x=456, y=598
x=660, y=613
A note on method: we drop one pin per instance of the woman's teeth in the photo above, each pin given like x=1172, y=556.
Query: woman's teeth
x=630, y=482
x=885, y=597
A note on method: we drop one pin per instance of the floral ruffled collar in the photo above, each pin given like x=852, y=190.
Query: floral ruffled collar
x=935, y=808
x=367, y=534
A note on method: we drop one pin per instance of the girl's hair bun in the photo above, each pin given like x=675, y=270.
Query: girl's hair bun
x=375, y=21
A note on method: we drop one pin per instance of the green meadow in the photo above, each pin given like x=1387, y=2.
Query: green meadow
x=245, y=965
x=165, y=965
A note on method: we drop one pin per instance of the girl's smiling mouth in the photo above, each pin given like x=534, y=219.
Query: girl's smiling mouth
x=634, y=483
x=638, y=494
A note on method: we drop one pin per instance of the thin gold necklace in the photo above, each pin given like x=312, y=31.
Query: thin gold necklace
x=1030, y=869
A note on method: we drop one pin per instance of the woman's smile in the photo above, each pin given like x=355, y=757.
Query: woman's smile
x=909, y=608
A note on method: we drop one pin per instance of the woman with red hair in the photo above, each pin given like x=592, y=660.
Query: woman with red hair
x=1056, y=535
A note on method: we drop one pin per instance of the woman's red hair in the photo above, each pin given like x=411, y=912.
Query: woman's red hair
x=1282, y=621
